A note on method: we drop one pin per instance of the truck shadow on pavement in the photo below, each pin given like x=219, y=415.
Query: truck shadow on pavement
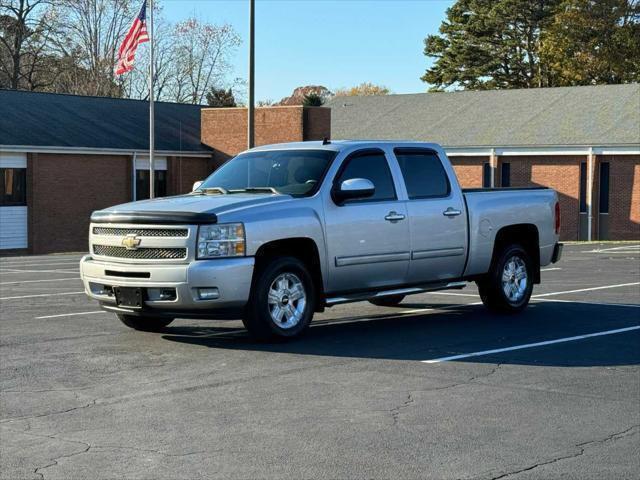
x=457, y=330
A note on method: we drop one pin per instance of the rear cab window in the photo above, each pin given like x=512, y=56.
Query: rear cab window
x=423, y=173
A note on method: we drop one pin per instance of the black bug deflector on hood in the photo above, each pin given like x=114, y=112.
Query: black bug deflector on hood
x=156, y=218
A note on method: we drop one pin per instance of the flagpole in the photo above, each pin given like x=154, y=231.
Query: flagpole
x=151, y=112
x=250, y=110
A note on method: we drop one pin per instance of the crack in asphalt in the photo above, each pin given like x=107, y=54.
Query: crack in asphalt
x=29, y=417
x=86, y=447
x=582, y=447
x=395, y=411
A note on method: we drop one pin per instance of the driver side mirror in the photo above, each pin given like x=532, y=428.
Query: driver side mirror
x=196, y=185
x=353, y=188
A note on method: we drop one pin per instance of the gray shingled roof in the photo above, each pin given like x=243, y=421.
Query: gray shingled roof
x=593, y=115
x=53, y=120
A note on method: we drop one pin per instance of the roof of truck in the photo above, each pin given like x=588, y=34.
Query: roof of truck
x=338, y=145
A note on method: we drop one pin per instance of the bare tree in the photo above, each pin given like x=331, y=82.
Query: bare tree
x=25, y=27
x=200, y=58
x=93, y=30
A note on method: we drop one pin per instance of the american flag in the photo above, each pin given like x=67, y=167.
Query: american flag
x=136, y=35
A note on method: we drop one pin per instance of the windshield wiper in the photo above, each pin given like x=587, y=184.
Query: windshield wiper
x=254, y=190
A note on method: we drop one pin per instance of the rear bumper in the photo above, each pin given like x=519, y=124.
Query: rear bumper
x=230, y=276
x=557, y=252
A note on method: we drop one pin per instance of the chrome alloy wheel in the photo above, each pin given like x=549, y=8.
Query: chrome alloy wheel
x=287, y=300
x=514, y=279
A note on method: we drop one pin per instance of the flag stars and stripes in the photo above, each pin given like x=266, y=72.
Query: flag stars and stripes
x=136, y=35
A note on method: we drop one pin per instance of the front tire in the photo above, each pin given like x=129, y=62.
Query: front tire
x=282, y=300
x=508, y=286
x=145, y=324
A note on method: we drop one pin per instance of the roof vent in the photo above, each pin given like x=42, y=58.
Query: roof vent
x=326, y=141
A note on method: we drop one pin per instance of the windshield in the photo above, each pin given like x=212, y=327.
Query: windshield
x=292, y=172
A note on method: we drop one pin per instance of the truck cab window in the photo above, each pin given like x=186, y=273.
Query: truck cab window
x=374, y=167
x=423, y=173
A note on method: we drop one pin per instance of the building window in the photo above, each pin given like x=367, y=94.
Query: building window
x=486, y=175
x=603, y=204
x=13, y=187
x=505, y=174
x=142, y=184
x=583, y=187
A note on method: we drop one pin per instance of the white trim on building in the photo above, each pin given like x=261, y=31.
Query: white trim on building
x=99, y=151
x=552, y=150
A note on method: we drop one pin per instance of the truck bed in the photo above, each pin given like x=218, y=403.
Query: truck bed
x=490, y=209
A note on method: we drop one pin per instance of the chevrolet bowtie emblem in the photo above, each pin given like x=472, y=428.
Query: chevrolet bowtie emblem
x=131, y=242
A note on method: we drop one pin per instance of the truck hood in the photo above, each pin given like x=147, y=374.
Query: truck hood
x=188, y=208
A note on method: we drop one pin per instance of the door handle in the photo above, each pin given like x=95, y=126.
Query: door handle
x=394, y=217
x=451, y=212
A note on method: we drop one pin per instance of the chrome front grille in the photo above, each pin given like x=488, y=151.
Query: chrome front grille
x=153, y=253
x=141, y=232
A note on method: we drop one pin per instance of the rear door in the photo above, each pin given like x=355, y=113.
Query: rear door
x=437, y=219
x=367, y=239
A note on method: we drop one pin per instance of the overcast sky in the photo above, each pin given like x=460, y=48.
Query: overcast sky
x=335, y=43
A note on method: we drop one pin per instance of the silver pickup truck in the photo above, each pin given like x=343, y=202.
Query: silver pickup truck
x=282, y=231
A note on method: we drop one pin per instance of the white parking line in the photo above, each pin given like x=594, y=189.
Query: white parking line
x=585, y=289
x=623, y=249
x=455, y=294
x=13, y=265
x=59, y=270
x=71, y=314
x=37, y=281
x=42, y=295
x=531, y=345
x=552, y=269
x=556, y=300
x=31, y=263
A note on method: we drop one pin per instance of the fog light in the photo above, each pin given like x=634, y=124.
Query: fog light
x=162, y=294
x=101, y=290
x=208, y=293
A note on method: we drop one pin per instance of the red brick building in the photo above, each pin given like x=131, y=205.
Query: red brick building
x=64, y=156
x=582, y=141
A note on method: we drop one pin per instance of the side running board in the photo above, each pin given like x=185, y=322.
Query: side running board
x=357, y=297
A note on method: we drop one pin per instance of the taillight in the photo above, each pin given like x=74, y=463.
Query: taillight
x=557, y=218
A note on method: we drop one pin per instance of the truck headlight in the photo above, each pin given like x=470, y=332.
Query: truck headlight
x=216, y=241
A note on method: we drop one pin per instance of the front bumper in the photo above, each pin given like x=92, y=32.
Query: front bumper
x=230, y=276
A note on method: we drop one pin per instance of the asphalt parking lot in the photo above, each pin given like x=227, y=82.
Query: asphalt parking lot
x=369, y=392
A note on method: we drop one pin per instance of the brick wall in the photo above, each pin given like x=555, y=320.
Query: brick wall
x=63, y=190
x=182, y=172
x=560, y=173
x=624, y=196
x=469, y=170
x=225, y=129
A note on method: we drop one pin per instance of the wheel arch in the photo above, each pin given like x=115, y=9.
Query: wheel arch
x=524, y=234
x=304, y=249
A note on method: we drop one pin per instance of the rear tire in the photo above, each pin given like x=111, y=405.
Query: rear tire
x=508, y=286
x=282, y=301
x=390, y=301
x=145, y=324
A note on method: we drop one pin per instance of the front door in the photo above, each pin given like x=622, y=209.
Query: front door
x=367, y=239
